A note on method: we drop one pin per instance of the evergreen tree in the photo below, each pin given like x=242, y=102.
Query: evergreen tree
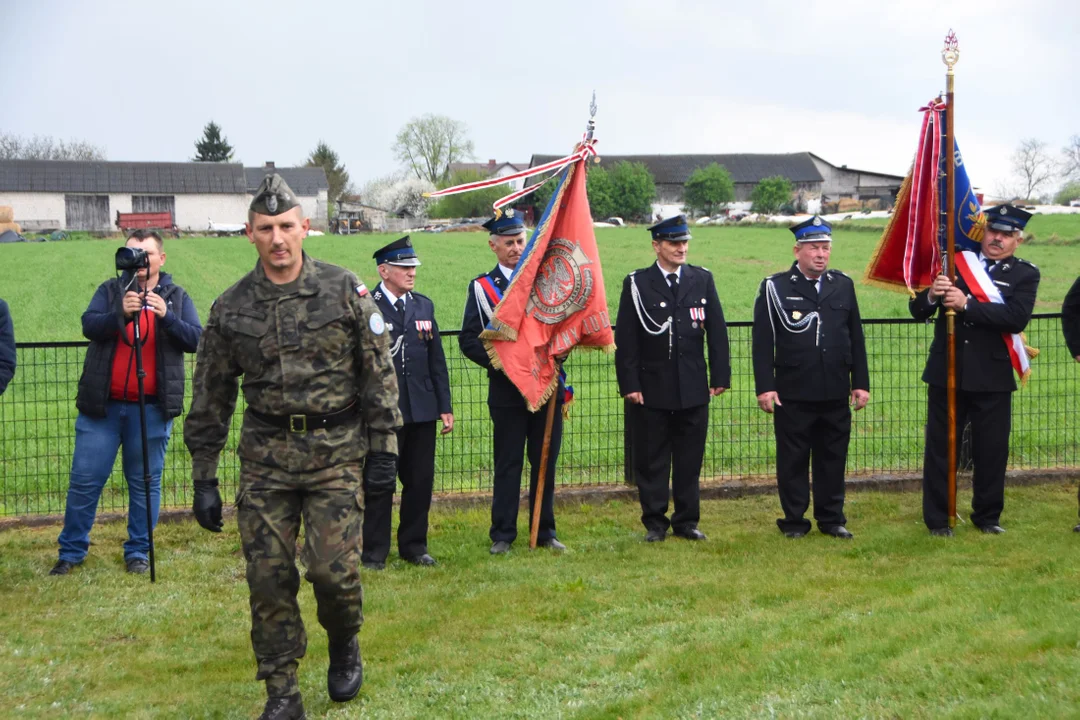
x=336, y=174
x=213, y=146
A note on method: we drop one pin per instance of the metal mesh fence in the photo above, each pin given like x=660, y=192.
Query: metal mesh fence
x=37, y=418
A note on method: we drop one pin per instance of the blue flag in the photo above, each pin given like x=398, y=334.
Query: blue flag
x=969, y=228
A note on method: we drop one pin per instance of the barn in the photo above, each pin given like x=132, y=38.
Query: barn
x=87, y=195
x=812, y=178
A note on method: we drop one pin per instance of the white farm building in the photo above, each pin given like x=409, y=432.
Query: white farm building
x=77, y=195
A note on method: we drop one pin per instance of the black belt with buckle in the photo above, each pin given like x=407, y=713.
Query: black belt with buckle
x=303, y=423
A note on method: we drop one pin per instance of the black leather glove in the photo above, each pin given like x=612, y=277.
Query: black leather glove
x=380, y=473
x=207, y=505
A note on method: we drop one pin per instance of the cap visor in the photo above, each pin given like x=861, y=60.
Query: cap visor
x=406, y=262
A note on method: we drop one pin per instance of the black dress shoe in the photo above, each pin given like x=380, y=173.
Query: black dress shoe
x=838, y=531
x=62, y=567
x=137, y=566
x=424, y=559
x=500, y=548
x=552, y=543
x=1076, y=528
x=941, y=532
x=373, y=565
x=992, y=529
x=346, y=672
x=795, y=534
x=690, y=534
x=290, y=707
x=655, y=536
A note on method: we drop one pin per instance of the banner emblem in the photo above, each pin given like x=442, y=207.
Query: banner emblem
x=563, y=285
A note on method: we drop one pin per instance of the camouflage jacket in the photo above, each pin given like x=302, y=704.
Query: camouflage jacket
x=312, y=349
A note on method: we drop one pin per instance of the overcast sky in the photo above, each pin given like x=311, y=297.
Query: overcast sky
x=840, y=78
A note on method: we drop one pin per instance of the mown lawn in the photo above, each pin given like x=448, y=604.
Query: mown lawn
x=738, y=256
x=748, y=624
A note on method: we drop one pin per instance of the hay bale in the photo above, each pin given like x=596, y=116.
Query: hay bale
x=10, y=226
x=7, y=214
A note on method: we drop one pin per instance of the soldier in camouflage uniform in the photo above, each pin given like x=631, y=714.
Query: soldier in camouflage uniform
x=321, y=395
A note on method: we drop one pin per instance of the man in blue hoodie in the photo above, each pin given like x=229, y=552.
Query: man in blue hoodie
x=108, y=398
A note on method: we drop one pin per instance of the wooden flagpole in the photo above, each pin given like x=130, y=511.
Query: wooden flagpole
x=534, y=527
x=950, y=55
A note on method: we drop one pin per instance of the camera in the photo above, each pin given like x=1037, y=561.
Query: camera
x=131, y=258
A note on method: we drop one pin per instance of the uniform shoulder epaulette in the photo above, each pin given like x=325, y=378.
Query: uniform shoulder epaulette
x=1027, y=262
x=838, y=272
x=422, y=296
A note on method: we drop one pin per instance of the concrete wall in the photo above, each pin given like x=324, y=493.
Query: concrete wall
x=35, y=206
x=843, y=183
x=194, y=212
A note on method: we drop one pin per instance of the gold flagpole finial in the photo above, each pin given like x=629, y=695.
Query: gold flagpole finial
x=950, y=54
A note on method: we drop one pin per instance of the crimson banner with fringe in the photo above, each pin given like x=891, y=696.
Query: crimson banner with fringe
x=909, y=254
x=556, y=300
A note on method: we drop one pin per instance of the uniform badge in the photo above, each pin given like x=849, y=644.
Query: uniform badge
x=377, y=295
x=796, y=315
x=271, y=203
x=509, y=212
x=376, y=324
x=1004, y=210
x=423, y=329
x=361, y=289
x=817, y=221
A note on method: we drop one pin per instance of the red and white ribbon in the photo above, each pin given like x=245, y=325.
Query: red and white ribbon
x=984, y=290
x=585, y=149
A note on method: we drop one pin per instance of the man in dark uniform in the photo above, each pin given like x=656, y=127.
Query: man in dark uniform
x=423, y=397
x=809, y=363
x=322, y=403
x=984, y=371
x=1070, y=326
x=514, y=426
x=668, y=313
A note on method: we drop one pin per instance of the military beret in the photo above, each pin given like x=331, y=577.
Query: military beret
x=273, y=197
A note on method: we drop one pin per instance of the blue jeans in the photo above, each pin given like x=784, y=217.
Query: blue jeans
x=96, y=443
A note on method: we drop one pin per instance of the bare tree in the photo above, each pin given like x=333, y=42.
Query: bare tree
x=1033, y=165
x=45, y=147
x=1070, y=159
x=428, y=144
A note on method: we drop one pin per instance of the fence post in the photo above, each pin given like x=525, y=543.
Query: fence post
x=628, y=445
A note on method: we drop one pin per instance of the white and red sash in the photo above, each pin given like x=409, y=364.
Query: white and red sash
x=984, y=290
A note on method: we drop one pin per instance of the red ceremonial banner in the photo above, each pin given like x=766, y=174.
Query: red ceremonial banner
x=907, y=256
x=556, y=299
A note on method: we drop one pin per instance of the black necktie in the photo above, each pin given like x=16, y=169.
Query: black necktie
x=990, y=265
x=673, y=281
x=400, y=305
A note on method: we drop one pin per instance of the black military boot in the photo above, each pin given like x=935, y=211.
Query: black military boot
x=346, y=672
x=289, y=707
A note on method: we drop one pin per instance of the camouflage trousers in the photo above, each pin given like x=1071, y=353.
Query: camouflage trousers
x=270, y=506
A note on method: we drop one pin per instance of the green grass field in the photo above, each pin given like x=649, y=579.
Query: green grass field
x=49, y=285
x=895, y=624
x=37, y=413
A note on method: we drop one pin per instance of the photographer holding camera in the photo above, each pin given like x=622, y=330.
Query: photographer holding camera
x=108, y=395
